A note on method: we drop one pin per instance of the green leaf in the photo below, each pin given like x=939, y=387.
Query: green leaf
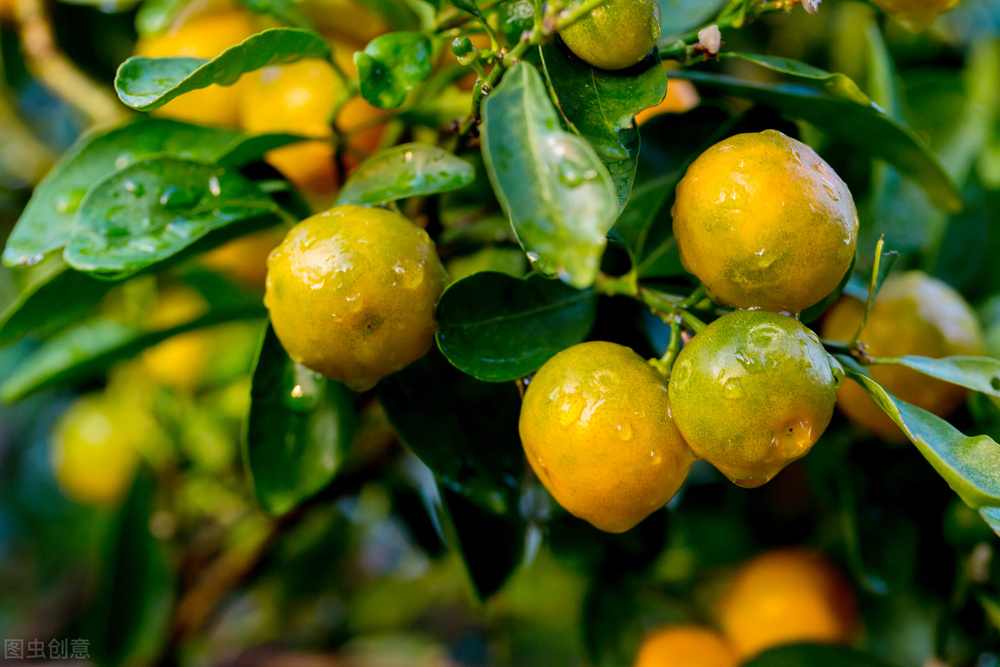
x=970, y=465
x=156, y=16
x=90, y=349
x=148, y=83
x=832, y=104
x=599, y=105
x=409, y=170
x=391, y=65
x=815, y=656
x=466, y=6
x=552, y=185
x=129, y=621
x=248, y=148
x=47, y=222
x=473, y=447
x=980, y=374
x=50, y=297
x=679, y=16
x=286, y=11
x=497, y=328
x=299, y=429
x=154, y=209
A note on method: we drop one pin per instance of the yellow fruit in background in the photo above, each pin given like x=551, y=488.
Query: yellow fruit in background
x=681, y=97
x=916, y=14
x=596, y=428
x=685, y=646
x=179, y=361
x=753, y=392
x=617, y=35
x=764, y=222
x=352, y=293
x=299, y=98
x=94, y=450
x=349, y=20
x=787, y=596
x=244, y=259
x=201, y=36
x=913, y=314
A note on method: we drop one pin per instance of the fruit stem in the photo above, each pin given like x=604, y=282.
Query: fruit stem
x=665, y=364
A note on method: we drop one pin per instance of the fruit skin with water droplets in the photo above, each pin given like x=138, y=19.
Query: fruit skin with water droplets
x=685, y=646
x=764, y=222
x=913, y=314
x=352, y=292
x=753, y=392
x=617, y=35
x=596, y=428
x=787, y=596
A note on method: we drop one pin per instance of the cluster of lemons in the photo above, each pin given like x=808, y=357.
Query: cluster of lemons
x=780, y=597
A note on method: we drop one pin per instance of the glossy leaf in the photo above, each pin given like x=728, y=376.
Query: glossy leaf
x=466, y=5
x=51, y=297
x=600, y=105
x=552, y=185
x=833, y=105
x=815, y=656
x=679, y=16
x=980, y=374
x=970, y=465
x=148, y=83
x=299, y=429
x=129, y=621
x=287, y=11
x=473, y=447
x=47, y=222
x=409, y=170
x=155, y=208
x=497, y=328
x=391, y=65
x=90, y=349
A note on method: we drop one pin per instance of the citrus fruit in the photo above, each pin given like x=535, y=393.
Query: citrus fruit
x=352, y=292
x=179, y=361
x=916, y=14
x=616, y=35
x=764, y=222
x=596, y=428
x=753, y=392
x=685, y=646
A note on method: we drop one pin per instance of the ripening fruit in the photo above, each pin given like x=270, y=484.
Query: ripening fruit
x=916, y=15
x=753, y=392
x=913, y=314
x=299, y=98
x=681, y=97
x=201, y=36
x=596, y=428
x=94, y=450
x=685, y=646
x=764, y=222
x=179, y=361
x=352, y=292
x=617, y=35
x=787, y=596
x=244, y=259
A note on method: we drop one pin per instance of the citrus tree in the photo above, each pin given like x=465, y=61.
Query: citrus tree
x=604, y=332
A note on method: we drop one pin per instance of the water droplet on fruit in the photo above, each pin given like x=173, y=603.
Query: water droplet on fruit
x=625, y=431
x=830, y=191
x=657, y=457
x=733, y=389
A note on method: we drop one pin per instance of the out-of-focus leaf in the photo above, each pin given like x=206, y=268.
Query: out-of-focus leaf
x=813, y=313
x=827, y=101
x=472, y=447
x=148, y=83
x=497, y=328
x=391, y=65
x=286, y=11
x=815, y=656
x=612, y=627
x=679, y=16
x=409, y=170
x=129, y=621
x=154, y=209
x=299, y=429
x=552, y=185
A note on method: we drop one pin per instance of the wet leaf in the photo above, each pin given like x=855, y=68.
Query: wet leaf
x=155, y=208
x=148, y=83
x=299, y=429
x=391, y=65
x=409, y=170
x=552, y=185
x=497, y=328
